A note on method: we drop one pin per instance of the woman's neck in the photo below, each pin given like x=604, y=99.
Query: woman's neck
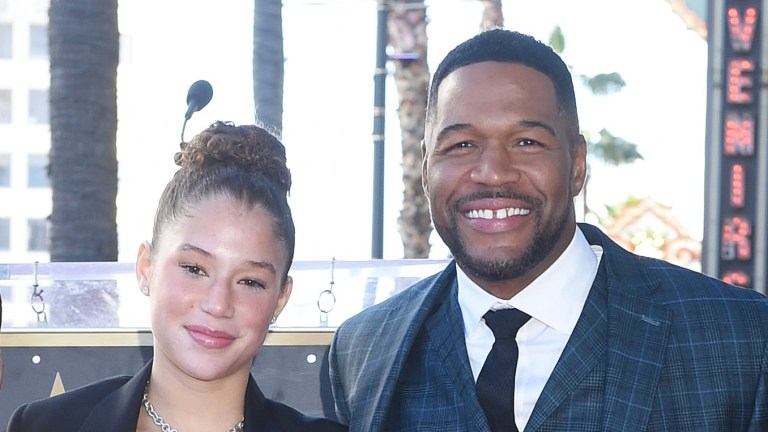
x=188, y=404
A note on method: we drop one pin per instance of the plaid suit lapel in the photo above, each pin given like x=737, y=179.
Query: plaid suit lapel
x=445, y=331
x=638, y=333
x=584, y=351
x=622, y=327
x=638, y=336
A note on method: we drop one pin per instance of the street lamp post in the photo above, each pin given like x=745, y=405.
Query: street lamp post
x=379, y=81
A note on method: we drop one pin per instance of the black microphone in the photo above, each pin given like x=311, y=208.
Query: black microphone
x=198, y=96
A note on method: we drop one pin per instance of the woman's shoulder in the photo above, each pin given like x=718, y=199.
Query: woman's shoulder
x=64, y=411
x=95, y=391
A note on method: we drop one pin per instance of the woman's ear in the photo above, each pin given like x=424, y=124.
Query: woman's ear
x=282, y=300
x=424, y=156
x=144, y=266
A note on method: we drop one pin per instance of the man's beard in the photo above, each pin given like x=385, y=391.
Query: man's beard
x=545, y=236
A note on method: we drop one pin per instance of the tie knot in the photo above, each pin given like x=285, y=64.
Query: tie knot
x=505, y=323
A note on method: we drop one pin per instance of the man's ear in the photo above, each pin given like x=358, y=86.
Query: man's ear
x=579, y=164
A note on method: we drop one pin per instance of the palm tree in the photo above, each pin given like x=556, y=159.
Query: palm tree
x=407, y=31
x=608, y=148
x=84, y=51
x=268, y=63
x=493, y=16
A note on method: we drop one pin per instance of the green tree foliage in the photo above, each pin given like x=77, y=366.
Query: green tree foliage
x=609, y=148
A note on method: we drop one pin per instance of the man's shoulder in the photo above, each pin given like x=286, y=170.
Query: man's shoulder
x=706, y=300
x=681, y=282
x=671, y=282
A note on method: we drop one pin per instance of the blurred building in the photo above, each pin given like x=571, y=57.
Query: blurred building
x=24, y=130
x=693, y=13
x=648, y=228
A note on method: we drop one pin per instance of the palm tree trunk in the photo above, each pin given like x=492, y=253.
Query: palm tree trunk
x=492, y=15
x=268, y=63
x=407, y=26
x=84, y=51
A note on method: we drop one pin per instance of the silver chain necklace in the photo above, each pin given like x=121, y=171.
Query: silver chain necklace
x=165, y=427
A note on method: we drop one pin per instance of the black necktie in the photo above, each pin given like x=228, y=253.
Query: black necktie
x=496, y=382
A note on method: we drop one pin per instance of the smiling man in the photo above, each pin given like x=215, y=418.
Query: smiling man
x=540, y=323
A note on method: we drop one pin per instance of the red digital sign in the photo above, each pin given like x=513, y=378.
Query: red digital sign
x=738, y=187
x=739, y=134
x=741, y=58
x=741, y=27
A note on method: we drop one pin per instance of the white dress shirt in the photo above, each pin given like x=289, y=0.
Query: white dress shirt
x=554, y=301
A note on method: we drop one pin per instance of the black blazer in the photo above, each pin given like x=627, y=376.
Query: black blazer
x=113, y=405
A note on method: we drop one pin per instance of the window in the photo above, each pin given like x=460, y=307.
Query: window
x=5, y=105
x=6, y=41
x=37, y=171
x=38, y=42
x=38, y=107
x=38, y=236
x=5, y=170
x=40, y=7
x=5, y=234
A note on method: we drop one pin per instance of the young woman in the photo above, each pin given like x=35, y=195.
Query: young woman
x=216, y=273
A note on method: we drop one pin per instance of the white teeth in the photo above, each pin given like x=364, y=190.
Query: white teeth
x=498, y=214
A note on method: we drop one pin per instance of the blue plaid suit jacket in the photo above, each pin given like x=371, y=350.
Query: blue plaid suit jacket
x=657, y=348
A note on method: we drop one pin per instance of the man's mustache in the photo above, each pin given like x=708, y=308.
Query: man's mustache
x=497, y=194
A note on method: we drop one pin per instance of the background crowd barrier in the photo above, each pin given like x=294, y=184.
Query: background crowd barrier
x=69, y=324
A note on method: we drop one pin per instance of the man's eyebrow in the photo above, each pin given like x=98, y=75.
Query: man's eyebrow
x=521, y=123
x=538, y=125
x=451, y=128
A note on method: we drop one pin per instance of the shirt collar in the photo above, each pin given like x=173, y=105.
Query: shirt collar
x=568, y=279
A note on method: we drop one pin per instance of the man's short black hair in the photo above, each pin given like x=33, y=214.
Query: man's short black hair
x=498, y=45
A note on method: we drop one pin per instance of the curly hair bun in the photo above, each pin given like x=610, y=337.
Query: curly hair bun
x=249, y=147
